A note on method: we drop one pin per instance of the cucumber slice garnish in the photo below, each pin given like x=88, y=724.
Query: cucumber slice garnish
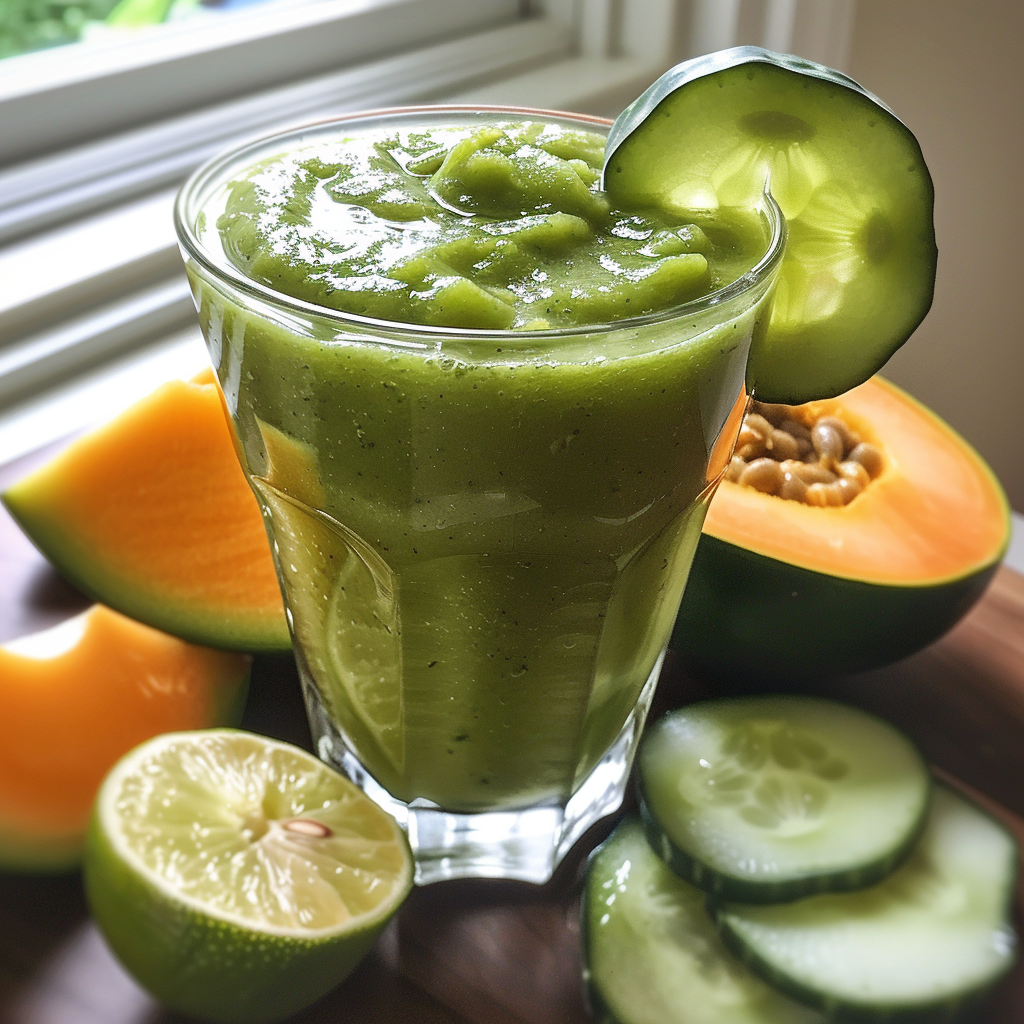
x=652, y=953
x=859, y=269
x=931, y=937
x=769, y=799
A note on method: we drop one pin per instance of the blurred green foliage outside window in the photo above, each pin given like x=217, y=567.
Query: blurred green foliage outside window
x=27, y=25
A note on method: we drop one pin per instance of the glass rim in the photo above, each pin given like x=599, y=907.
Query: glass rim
x=223, y=270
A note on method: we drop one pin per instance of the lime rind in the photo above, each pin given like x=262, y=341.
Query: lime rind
x=209, y=894
x=858, y=273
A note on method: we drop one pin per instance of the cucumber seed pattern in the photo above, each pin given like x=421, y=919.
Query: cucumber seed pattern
x=776, y=776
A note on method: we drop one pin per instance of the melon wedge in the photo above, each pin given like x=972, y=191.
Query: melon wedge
x=780, y=590
x=74, y=699
x=151, y=515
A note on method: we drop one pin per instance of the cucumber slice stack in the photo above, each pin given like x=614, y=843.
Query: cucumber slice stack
x=858, y=272
x=731, y=800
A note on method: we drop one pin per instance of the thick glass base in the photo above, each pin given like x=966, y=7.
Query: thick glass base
x=526, y=843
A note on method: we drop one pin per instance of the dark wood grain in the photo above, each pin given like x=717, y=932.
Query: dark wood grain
x=497, y=952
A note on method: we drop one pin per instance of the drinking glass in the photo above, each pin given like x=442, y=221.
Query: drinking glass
x=481, y=536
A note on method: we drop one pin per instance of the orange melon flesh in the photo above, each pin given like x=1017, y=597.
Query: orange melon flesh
x=935, y=513
x=151, y=514
x=77, y=697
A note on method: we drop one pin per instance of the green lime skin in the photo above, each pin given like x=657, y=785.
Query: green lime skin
x=204, y=872
x=210, y=968
x=749, y=618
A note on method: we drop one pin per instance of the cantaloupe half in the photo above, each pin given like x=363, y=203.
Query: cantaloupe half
x=779, y=588
x=76, y=697
x=151, y=515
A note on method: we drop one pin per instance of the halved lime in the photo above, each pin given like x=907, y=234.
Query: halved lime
x=859, y=267
x=239, y=878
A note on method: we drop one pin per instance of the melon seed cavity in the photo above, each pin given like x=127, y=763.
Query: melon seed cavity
x=791, y=452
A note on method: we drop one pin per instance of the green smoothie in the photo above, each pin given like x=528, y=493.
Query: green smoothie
x=485, y=499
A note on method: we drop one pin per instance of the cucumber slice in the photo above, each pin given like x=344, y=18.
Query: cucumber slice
x=928, y=940
x=859, y=268
x=652, y=953
x=768, y=799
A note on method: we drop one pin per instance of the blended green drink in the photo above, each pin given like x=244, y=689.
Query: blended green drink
x=478, y=406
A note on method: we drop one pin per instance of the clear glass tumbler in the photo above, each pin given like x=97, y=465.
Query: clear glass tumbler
x=482, y=537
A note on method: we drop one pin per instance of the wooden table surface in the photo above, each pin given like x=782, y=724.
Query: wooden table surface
x=498, y=952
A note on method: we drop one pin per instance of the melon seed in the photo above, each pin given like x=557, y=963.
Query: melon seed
x=758, y=423
x=782, y=445
x=747, y=435
x=827, y=441
x=841, y=429
x=824, y=496
x=797, y=429
x=774, y=414
x=855, y=471
x=786, y=451
x=793, y=488
x=869, y=457
x=848, y=489
x=813, y=473
x=763, y=475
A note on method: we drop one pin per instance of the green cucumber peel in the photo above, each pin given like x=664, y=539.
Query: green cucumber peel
x=771, y=799
x=924, y=944
x=651, y=952
x=858, y=273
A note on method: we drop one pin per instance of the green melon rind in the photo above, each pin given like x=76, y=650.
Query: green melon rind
x=745, y=614
x=205, y=624
x=797, y=361
x=946, y=1009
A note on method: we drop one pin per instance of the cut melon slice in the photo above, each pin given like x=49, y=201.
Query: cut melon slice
x=74, y=699
x=151, y=515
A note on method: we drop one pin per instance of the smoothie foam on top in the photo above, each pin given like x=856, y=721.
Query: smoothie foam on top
x=482, y=227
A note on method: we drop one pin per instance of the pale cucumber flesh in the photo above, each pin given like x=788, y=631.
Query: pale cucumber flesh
x=652, y=953
x=930, y=937
x=768, y=799
x=859, y=268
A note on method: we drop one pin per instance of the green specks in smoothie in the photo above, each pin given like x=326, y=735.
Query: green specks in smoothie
x=486, y=228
